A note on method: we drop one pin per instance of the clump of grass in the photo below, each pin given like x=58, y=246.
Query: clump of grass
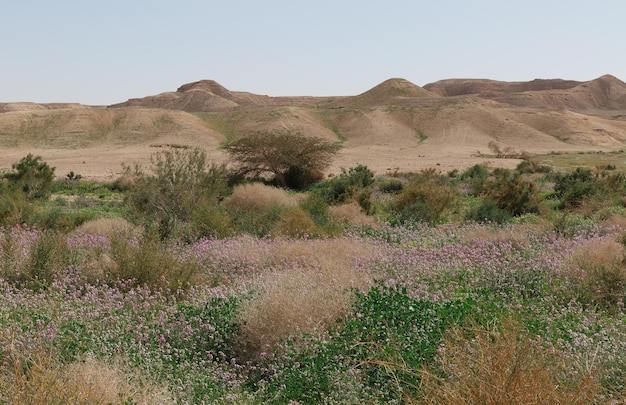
x=294, y=302
x=602, y=277
x=32, y=259
x=504, y=366
x=350, y=214
x=307, y=297
x=37, y=377
x=257, y=197
x=108, y=227
x=296, y=223
x=146, y=261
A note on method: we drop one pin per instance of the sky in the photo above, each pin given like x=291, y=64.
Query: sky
x=104, y=52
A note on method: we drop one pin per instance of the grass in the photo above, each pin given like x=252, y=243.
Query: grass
x=483, y=313
x=592, y=160
x=278, y=311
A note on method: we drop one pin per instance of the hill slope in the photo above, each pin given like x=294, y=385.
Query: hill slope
x=396, y=124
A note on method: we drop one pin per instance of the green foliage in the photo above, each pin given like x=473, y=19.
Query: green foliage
x=427, y=197
x=349, y=185
x=15, y=208
x=291, y=158
x=488, y=211
x=182, y=184
x=512, y=193
x=576, y=187
x=390, y=186
x=146, y=261
x=32, y=175
x=317, y=209
x=390, y=337
x=476, y=176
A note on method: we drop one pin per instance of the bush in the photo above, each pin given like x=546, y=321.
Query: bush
x=33, y=176
x=476, y=176
x=390, y=186
x=512, y=193
x=427, y=198
x=182, y=183
x=488, y=211
x=349, y=185
x=146, y=261
x=15, y=208
x=581, y=185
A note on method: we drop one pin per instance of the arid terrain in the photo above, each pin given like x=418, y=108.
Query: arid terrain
x=396, y=125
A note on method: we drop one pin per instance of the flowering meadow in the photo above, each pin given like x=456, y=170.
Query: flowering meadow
x=186, y=285
x=466, y=313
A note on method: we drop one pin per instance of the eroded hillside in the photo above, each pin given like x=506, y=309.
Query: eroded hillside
x=395, y=125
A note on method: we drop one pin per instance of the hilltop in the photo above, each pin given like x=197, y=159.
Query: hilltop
x=394, y=125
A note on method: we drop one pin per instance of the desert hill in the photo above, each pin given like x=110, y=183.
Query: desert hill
x=394, y=125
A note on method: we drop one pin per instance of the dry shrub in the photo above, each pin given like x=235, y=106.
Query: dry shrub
x=295, y=223
x=602, y=277
x=108, y=227
x=350, y=214
x=519, y=235
x=337, y=253
x=293, y=302
x=308, y=296
x=614, y=221
x=505, y=367
x=38, y=378
x=257, y=197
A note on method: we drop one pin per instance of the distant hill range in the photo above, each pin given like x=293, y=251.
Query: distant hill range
x=394, y=124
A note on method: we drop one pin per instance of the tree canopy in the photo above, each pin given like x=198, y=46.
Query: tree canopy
x=290, y=157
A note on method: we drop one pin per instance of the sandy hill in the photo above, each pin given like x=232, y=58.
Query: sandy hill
x=604, y=93
x=395, y=124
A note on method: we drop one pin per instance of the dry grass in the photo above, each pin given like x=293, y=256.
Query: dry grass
x=350, y=214
x=38, y=378
x=293, y=302
x=295, y=223
x=598, y=253
x=519, y=236
x=601, y=269
x=257, y=197
x=108, y=227
x=337, y=253
x=504, y=366
x=308, y=296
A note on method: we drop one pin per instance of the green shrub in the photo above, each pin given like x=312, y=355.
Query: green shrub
x=146, y=261
x=427, y=197
x=33, y=176
x=488, y=211
x=476, y=176
x=512, y=193
x=347, y=186
x=181, y=183
x=390, y=186
x=15, y=208
x=577, y=187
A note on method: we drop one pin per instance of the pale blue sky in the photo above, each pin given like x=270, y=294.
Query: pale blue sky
x=103, y=52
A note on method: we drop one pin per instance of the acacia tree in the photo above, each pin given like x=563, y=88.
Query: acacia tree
x=287, y=155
